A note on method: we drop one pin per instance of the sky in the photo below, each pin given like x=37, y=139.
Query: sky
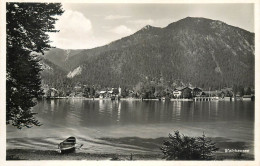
x=88, y=25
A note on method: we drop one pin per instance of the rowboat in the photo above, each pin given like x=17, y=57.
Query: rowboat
x=68, y=145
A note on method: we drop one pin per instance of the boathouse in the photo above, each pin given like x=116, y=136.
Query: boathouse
x=182, y=92
x=196, y=92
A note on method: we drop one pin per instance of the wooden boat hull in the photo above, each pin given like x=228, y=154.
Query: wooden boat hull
x=68, y=145
x=70, y=150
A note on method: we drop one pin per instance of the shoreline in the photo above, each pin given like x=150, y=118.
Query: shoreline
x=30, y=154
x=151, y=145
x=137, y=99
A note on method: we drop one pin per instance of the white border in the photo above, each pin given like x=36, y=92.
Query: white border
x=3, y=161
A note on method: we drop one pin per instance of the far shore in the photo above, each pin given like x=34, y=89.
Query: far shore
x=138, y=99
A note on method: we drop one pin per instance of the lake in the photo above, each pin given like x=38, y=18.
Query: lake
x=106, y=126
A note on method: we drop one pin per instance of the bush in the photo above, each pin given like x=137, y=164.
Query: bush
x=180, y=147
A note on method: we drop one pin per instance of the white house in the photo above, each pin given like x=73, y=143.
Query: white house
x=102, y=94
x=177, y=93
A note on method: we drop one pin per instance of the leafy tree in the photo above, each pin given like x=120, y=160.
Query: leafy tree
x=241, y=90
x=180, y=147
x=124, y=92
x=92, y=91
x=86, y=91
x=115, y=91
x=148, y=90
x=248, y=91
x=235, y=89
x=26, y=27
x=206, y=147
x=159, y=91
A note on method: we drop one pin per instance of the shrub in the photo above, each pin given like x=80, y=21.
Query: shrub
x=180, y=147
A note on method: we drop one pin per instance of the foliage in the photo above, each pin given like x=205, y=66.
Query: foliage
x=124, y=92
x=26, y=27
x=206, y=147
x=238, y=90
x=55, y=77
x=180, y=147
x=115, y=91
x=92, y=91
x=229, y=94
x=248, y=91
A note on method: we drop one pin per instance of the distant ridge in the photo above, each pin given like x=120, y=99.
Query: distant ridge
x=199, y=51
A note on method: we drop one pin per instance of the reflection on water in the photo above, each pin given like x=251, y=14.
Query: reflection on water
x=92, y=119
x=87, y=113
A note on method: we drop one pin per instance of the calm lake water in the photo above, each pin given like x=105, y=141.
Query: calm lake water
x=91, y=122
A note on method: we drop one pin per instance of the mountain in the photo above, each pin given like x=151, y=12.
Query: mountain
x=60, y=57
x=75, y=72
x=51, y=73
x=198, y=51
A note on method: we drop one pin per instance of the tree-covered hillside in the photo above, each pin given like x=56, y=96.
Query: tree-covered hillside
x=203, y=52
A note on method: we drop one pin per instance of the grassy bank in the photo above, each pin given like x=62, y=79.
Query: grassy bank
x=152, y=146
x=27, y=154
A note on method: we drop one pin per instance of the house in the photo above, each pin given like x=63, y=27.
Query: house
x=187, y=93
x=177, y=93
x=248, y=97
x=109, y=93
x=77, y=88
x=212, y=93
x=102, y=94
x=53, y=92
x=196, y=92
x=182, y=92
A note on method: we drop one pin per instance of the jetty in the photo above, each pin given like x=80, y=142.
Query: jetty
x=204, y=98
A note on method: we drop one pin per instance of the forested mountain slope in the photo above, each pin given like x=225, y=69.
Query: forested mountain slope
x=199, y=51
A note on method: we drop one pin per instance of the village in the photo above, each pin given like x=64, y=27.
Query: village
x=184, y=93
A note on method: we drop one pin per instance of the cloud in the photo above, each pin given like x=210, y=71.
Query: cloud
x=116, y=17
x=122, y=30
x=75, y=31
x=87, y=42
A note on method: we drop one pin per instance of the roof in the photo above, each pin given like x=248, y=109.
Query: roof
x=183, y=87
x=196, y=88
x=180, y=88
x=53, y=89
